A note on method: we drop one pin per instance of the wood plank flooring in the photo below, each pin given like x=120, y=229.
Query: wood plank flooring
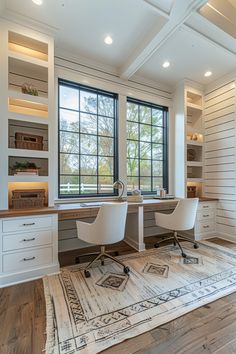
x=209, y=329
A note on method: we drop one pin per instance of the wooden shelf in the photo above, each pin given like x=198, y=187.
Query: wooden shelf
x=194, y=163
x=26, y=58
x=194, y=142
x=27, y=104
x=28, y=153
x=193, y=107
x=28, y=178
x=195, y=180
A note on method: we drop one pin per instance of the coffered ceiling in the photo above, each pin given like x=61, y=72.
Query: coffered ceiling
x=145, y=33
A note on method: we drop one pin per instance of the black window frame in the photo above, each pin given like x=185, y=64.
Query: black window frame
x=74, y=85
x=165, y=177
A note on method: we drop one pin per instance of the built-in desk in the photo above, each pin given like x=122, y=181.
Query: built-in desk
x=29, y=238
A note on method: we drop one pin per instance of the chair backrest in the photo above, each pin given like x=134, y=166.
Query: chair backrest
x=184, y=215
x=109, y=226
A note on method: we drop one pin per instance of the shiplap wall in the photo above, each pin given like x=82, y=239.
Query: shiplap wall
x=220, y=154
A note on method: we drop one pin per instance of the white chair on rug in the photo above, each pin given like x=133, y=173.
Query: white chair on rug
x=108, y=228
x=182, y=219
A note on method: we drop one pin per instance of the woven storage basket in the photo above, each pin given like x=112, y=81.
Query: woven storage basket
x=30, y=198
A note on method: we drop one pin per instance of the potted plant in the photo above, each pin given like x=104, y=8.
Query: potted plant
x=25, y=168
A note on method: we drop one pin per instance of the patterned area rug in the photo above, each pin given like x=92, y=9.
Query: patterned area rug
x=89, y=315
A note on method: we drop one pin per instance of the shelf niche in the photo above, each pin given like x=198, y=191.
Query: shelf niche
x=21, y=73
x=30, y=47
x=194, y=153
x=194, y=172
x=12, y=186
x=27, y=135
x=41, y=163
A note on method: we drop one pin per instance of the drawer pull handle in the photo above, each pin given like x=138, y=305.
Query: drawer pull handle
x=28, y=259
x=29, y=239
x=206, y=215
x=30, y=224
x=205, y=206
x=205, y=226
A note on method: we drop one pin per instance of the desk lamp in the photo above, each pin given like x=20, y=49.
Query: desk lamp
x=119, y=185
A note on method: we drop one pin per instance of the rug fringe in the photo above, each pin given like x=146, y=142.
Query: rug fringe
x=50, y=330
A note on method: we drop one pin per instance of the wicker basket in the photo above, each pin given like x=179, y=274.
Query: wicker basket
x=28, y=141
x=191, y=191
x=28, y=198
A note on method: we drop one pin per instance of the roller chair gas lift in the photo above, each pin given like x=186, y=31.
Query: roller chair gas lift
x=108, y=228
x=182, y=219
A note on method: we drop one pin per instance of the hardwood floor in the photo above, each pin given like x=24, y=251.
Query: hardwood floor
x=209, y=329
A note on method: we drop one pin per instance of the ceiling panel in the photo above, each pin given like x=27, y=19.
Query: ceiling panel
x=83, y=24
x=190, y=55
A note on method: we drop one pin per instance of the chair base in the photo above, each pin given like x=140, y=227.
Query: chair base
x=101, y=256
x=176, y=240
x=77, y=259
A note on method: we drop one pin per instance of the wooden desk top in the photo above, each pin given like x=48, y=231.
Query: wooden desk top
x=77, y=209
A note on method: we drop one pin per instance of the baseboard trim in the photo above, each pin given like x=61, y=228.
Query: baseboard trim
x=227, y=237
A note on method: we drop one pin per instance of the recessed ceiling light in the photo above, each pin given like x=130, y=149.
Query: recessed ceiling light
x=208, y=73
x=38, y=2
x=166, y=64
x=108, y=40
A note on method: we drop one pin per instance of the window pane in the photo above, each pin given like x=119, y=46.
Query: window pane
x=88, y=123
x=88, y=144
x=132, y=183
x=145, y=150
x=69, y=98
x=105, y=146
x=157, y=168
x=132, y=112
x=157, y=182
x=145, y=132
x=88, y=102
x=105, y=184
x=157, y=135
x=69, y=120
x=132, y=149
x=88, y=165
x=145, y=115
x=69, y=185
x=69, y=142
x=132, y=131
x=105, y=126
x=105, y=166
x=88, y=184
x=145, y=167
x=157, y=152
x=87, y=140
x=145, y=184
x=105, y=106
x=157, y=117
x=69, y=164
x=132, y=167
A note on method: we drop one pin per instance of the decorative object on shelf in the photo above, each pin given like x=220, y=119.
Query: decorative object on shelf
x=28, y=198
x=191, y=191
x=25, y=168
x=162, y=193
x=119, y=185
x=29, y=89
x=191, y=155
x=28, y=141
x=194, y=137
x=136, y=196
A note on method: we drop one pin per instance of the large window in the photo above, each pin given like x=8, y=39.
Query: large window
x=87, y=141
x=147, y=165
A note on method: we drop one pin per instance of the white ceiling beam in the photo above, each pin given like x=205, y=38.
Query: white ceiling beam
x=157, y=9
x=180, y=11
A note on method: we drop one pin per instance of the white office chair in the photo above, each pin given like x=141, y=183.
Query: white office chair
x=108, y=228
x=182, y=219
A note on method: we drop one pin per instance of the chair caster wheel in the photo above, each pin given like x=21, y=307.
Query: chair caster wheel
x=126, y=270
x=87, y=274
x=184, y=255
x=196, y=245
x=116, y=253
x=102, y=263
x=174, y=243
x=156, y=245
x=77, y=260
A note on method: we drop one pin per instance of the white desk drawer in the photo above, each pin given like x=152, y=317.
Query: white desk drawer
x=203, y=206
x=205, y=214
x=19, y=261
x=204, y=227
x=27, y=224
x=25, y=240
